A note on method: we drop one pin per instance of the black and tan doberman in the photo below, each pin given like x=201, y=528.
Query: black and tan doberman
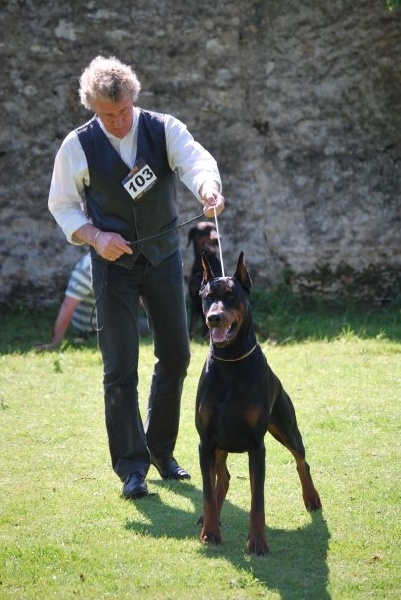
x=239, y=399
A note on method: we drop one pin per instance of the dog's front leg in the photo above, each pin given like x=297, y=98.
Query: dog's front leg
x=222, y=478
x=210, y=533
x=257, y=542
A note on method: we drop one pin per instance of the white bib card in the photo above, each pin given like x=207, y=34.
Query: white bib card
x=139, y=180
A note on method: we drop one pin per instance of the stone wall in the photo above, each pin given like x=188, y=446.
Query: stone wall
x=300, y=103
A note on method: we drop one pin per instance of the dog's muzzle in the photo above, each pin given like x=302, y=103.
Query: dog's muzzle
x=221, y=332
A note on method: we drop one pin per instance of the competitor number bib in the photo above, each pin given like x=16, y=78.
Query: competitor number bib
x=139, y=180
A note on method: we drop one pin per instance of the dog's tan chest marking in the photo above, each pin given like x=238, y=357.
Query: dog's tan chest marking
x=253, y=415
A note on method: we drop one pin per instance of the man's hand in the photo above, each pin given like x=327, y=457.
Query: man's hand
x=110, y=245
x=212, y=200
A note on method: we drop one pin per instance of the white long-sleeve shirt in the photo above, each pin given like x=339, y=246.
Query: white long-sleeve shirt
x=195, y=166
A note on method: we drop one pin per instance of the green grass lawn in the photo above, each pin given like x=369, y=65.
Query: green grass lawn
x=65, y=531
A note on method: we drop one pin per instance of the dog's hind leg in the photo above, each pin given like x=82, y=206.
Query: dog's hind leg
x=257, y=542
x=283, y=426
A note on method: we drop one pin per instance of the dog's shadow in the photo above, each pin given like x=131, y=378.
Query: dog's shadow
x=296, y=565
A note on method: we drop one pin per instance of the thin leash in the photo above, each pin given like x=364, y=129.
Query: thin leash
x=219, y=240
x=223, y=275
x=231, y=360
x=150, y=237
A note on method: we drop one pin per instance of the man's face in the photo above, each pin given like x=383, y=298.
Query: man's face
x=115, y=116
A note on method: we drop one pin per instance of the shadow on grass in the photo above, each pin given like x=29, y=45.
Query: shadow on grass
x=296, y=566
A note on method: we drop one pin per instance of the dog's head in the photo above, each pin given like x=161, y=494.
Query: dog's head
x=203, y=238
x=225, y=301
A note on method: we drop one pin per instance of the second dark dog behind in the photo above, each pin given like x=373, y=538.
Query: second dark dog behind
x=239, y=399
x=203, y=238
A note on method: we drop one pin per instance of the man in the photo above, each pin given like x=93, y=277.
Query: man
x=77, y=307
x=113, y=188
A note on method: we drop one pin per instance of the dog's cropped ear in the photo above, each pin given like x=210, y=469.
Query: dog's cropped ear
x=208, y=274
x=242, y=275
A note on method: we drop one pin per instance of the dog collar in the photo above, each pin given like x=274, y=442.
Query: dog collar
x=236, y=359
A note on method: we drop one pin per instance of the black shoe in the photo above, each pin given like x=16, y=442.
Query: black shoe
x=134, y=486
x=170, y=469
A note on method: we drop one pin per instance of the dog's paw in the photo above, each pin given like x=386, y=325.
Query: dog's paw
x=258, y=546
x=211, y=537
x=312, y=502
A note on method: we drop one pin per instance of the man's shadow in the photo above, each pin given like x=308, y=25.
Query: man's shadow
x=296, y=566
